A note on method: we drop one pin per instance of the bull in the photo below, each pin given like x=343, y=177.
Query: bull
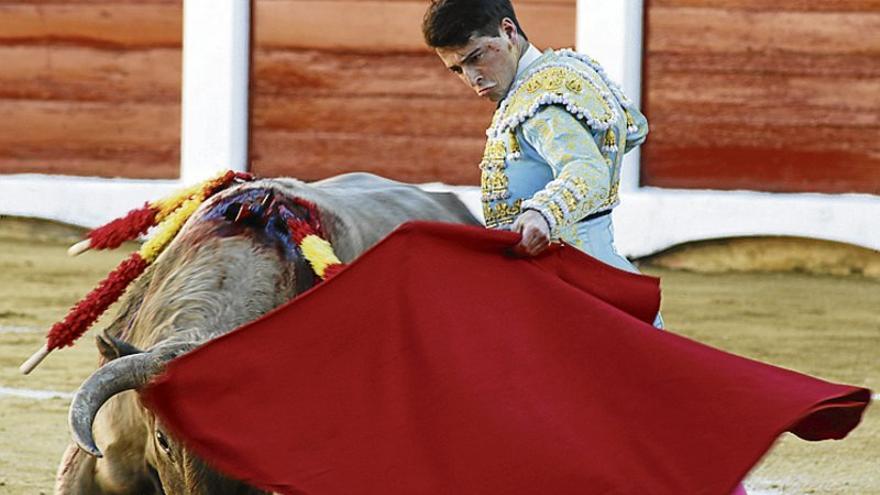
x=219, y=273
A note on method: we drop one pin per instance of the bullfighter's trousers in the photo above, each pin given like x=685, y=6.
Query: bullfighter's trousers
x=597, y=240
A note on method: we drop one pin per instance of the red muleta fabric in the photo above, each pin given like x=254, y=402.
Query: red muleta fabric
x=434, y=364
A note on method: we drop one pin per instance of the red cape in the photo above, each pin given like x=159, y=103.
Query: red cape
x=435, y=365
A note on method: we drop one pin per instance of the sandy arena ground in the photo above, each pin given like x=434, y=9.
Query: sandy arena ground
x=824, y=325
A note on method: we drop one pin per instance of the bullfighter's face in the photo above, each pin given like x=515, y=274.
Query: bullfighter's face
x=487, y=64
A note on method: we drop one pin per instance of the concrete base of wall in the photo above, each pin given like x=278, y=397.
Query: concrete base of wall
x=648, y=220
x=651, y=220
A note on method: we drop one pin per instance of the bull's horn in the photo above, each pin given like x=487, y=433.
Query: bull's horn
x=125, y=373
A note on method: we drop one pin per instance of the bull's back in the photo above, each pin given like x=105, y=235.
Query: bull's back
x=370, y=194
x=362, y=208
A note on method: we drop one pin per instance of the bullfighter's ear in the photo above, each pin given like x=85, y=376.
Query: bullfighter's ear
x=111, y=348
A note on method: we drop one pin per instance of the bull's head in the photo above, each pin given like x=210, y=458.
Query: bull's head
x=216, y=276
x=152, y=461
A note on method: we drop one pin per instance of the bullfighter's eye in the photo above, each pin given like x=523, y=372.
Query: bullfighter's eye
x=163, y=442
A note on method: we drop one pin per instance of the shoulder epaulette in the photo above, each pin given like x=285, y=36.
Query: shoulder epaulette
x=570, y=80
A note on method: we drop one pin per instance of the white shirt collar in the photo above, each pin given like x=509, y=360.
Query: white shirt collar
x=527, y=59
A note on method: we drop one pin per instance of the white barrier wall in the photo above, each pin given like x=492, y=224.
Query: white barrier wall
x=651, y=219
x=214, y=103
x=214, y=121
x=214, y=127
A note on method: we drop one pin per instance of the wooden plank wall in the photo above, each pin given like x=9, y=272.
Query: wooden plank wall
x=90, y=87
x=763, y=94
x=346, y=85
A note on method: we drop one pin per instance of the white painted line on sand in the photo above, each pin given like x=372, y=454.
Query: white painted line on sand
x=26, y=393
x=10, y=329
x=762, y=491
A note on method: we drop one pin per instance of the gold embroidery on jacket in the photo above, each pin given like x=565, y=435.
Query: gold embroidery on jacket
x=493, y=179
x=501, y=213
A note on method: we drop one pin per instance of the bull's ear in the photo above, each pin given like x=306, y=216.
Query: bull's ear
x=112, y=348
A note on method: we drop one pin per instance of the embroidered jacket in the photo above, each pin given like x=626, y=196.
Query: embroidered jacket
x=556, y=144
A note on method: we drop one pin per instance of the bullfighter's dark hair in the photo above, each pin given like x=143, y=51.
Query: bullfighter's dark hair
x=449, y=23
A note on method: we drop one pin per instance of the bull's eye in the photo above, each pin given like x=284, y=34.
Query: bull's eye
x=163, y=442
